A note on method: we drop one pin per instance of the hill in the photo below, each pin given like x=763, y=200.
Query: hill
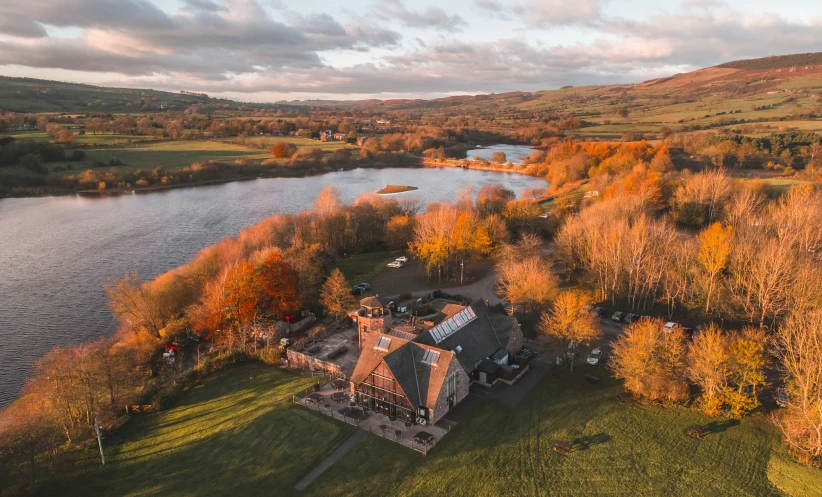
x=37, y=95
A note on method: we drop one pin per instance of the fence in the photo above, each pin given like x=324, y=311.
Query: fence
x=299, y=360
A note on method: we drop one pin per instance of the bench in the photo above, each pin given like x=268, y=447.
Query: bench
x=623, y=398
x=591, y=378
x=563, y=448
x=696, y=431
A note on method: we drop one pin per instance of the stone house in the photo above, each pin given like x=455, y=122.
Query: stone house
x=419, y=378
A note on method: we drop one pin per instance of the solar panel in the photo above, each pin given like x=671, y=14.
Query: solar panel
x=452, y=324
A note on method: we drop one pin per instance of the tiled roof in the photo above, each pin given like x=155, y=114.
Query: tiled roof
x=478, y=339
x=371, y=356
x=421, y=382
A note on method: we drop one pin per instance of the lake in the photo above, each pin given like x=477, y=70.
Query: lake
x=56, y=252
x=514, y=153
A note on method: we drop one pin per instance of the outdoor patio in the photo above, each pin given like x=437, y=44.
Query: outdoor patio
x=332, y=401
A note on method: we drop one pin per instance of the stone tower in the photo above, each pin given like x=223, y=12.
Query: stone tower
x=372, y=317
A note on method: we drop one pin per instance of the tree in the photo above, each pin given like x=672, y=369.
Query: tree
x=335, y=295
x=651, y=361
x=529, y=282
x=714, y=249
x=499, y=158
x=709, y=365
x=569, y=325
x=280, y=282
x=748, y=361
x=283, y=150
x=230, y=305
x=800, y=342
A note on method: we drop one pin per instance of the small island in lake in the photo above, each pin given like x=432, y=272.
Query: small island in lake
x=396, y=189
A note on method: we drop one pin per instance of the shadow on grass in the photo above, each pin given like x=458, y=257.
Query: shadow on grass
x=720, y=426
x=588, y=441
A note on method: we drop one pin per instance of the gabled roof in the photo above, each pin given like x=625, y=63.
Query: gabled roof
x=478, y=339
x=370, y=357
x=448, y=311
x=420, y=381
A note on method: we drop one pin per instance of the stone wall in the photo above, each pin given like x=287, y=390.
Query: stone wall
x=463, y=384
x=379, y=324
x=515, y=340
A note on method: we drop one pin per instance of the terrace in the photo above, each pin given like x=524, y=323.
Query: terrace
x=334, y=401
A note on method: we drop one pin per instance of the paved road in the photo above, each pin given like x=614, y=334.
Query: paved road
x=482, y=288
x=326, y=463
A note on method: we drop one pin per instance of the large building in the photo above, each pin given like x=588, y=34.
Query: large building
x=419, y=377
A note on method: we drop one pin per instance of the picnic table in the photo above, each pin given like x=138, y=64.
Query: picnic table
x=339, y=384
x=338, y=396
x=695, y=431
x=314, y=398
x=591, y=378
x=424, y=438
x=562, y=447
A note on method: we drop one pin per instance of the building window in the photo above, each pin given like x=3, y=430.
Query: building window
x=451, y=385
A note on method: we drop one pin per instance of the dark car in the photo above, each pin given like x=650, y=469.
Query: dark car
x=630, y=318
x=599, y=311
x=357, y=290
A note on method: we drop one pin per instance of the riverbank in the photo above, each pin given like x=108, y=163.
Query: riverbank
x=275, y=173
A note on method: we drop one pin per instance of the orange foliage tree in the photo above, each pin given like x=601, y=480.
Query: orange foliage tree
x=280, y=285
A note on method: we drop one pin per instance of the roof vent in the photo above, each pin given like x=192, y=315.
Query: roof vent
x=457, y=349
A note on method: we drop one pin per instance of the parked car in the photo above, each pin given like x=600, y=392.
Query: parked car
x=358, y=290
x=395, y=264
x=402, y=259
x=689, y=332
x=630, y=318
x=617, y=316
x=599, y=312
x=594, y=357
x=670, y=326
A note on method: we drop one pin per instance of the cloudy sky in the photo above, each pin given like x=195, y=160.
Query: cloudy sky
x=269, y=50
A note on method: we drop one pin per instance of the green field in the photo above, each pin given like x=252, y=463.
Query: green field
x=358, y=268
x=238, y=434
x=619, y=450
x=173, y=154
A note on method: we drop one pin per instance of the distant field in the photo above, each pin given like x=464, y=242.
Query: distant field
x=237, y=434
x=269, y=141
x=173, y=154
x=356, y=268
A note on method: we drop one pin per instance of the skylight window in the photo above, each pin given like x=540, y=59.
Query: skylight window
x=431, y=357
x=383, y=343
x=452, y=324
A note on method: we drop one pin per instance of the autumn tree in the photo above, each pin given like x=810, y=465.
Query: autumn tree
x=709, y=365
x=651, y=361
x=747, y=369
x=800, y=341
x=335, y=295
x=230, y=305
x=499, y=158
x=714, y=249
x=569, y=325
x=283, y=150
x=280, y=283
x=529, y=282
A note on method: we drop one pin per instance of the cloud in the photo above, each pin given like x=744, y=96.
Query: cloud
x=242, y=47
x=545, y=13
x=431, y=18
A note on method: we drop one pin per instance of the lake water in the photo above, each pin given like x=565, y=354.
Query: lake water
x=56, y=252
x=514, y=153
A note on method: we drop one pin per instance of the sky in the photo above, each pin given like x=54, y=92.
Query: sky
x=273, y=50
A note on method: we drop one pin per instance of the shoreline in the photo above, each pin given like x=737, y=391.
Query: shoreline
x=275, y=174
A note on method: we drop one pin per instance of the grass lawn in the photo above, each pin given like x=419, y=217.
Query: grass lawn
x=360, y=267
x=236, y=434
x=619, y=450
x=172, y=154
